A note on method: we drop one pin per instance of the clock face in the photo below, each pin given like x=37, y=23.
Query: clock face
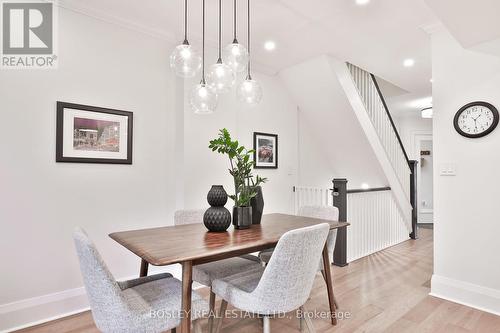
x=476, y=119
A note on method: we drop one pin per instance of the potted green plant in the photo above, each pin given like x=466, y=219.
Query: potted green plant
x=245, y=184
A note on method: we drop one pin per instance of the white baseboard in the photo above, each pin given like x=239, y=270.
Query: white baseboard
x=37, y=310
x=468, y=294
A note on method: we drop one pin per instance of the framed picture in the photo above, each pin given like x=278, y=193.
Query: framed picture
x=89, y=134
x=265, y=150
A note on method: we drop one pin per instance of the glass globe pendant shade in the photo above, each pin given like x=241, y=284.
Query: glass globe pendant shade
x=185, y=61
x=249, y=91
x=221, y=77
x=235, y=56
x=203, y=99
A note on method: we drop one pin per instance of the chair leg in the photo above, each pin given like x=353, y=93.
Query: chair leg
x=211, y=313
x=173, y=330
x=223, y=307
x=301, y=322
x=197, y=326
x=334, y=298
x=266, y=324
x=307, y=321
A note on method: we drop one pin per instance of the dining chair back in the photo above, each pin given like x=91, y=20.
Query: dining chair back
x=104, y=293
x=188, y=216
x=128, y=306
x=287, y=280
x=330, y=213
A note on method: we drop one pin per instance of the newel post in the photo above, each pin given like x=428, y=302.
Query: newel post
x=414, y=199
x=339, y=194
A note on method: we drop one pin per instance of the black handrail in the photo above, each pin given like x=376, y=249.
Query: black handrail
x=375, y=189
x=374, y=79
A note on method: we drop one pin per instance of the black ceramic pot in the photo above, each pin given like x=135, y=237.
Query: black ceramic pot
x=217, y=219
x=217, y=196
x=242, y=217
x=257, y=204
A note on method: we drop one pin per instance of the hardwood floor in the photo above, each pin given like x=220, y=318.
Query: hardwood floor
x=385, y=292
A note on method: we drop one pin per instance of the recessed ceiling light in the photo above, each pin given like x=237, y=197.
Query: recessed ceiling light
x=362, y=2
x=270, y=45
x=365, y=186
x=409, y=62
x=431, y=80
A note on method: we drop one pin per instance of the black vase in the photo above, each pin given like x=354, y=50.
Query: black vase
x=217, y=217
x=242, y=217
x=257, y=204
x=217, y=196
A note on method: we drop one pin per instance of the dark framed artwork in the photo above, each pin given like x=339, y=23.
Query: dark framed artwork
x=265, y=148
x=89, y=134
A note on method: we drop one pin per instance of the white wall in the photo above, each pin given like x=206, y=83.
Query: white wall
x=409, y=128
x=42, y=201
x=332, y=141
x=425, y=184
x=315, y=166
x=413, y=130
x=466, y=245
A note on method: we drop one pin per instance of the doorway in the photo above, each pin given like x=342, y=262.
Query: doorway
x=425, y=169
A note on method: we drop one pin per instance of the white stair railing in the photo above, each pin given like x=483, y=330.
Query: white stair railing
x=312, y=196
x=376, y=223
x=375, y=220
x=383, y=124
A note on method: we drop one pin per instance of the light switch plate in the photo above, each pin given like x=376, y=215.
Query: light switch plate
x=448, y=169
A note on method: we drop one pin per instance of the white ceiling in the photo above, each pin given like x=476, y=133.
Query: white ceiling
x=377, y=36
x=474, y=24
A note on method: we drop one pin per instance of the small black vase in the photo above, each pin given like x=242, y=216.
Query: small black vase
x=217, y=196
x=217, y=217
x=242, y=217
x=257, y=204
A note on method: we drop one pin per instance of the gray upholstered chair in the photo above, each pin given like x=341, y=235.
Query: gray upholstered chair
x=149, y=304
x=319, y=212
x=284, y=284
x=206, y=273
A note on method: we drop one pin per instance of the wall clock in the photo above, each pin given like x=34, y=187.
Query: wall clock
x=476, y=119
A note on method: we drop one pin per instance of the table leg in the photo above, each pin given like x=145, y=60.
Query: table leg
x=187, y=281
x=144, y=268
x=329, y=284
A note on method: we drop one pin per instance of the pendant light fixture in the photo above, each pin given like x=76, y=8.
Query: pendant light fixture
x=249, y=91
x=235, y=54
x=184, y=60
x=221, y=77
x=203, y=99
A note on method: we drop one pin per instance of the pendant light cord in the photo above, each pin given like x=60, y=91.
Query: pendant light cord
x=203, y=47
x=235, y=41
x=220, y=30
x=248, y=41
x=185, y=21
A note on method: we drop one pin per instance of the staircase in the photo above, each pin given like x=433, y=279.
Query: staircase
x=346, y=120
x=371, y=110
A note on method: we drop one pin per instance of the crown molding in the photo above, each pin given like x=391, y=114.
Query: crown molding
x=118, y=21
x=156, y=33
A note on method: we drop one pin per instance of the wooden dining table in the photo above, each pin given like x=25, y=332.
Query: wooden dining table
x=192, y=244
